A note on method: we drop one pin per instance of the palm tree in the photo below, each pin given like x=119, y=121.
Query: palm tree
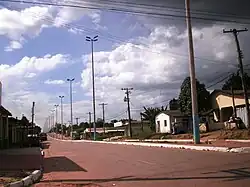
x=150, y=114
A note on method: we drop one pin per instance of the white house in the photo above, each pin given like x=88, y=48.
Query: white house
x=164, y=120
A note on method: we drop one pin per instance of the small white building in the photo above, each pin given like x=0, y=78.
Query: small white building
x=164, y=120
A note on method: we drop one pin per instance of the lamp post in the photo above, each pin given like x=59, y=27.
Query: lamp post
x=61, y=97
x=56, y=118
x=92, y=40
x=71, y=110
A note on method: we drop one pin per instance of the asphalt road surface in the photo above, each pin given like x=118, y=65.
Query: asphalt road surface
x=104, y=165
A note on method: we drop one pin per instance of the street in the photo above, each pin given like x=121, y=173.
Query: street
x=103, y=165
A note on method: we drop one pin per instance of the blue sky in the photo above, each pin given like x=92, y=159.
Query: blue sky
x=131, y=51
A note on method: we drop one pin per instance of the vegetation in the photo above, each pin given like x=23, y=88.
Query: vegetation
x=185, y=100
x=150, y=114
x=235, y=81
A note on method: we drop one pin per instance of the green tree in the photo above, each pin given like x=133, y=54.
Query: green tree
x=99, y=122
x=150, y=114
x=185, y=100
x=174, y=104
x=235, y=81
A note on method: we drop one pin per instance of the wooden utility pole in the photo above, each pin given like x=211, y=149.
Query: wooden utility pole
x=127, y=99
x=196, y=131
x=32, y=117
x=103, y=115
x=240, y=56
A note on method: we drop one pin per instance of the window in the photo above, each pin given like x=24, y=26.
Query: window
x=165, y=123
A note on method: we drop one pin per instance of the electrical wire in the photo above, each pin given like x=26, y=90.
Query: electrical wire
x=151, y=14
x=113, y=38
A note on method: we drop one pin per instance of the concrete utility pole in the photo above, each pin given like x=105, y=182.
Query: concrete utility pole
x=196, y=131
x=77, y=120
x=71, y=108
x=61, y=97
x=32, y=117
x=127, y=99
x=92, y=40
x=103, y=115
x=240, y=56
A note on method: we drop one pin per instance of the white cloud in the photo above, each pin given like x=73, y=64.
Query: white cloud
x=17, y=25
x=54, y=81
x=154, y=72
x=13, y=45
x=30, y=75
x=33, y=65
x=162, y=65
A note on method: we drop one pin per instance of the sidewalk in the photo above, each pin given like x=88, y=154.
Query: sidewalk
x=18, y=163
x=214, y=145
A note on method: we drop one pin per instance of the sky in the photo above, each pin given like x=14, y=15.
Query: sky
x=140, y=45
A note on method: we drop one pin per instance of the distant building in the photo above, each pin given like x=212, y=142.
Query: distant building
x=164, y=121
x=222, y=105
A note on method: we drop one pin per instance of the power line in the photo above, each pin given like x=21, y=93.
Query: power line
x=151, y=14
x=113, y=38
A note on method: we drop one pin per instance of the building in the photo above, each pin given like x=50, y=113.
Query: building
x=222, y=105
x=4, y=127
x=164, y=121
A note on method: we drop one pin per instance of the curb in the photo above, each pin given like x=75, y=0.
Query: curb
x=165, y=145
x=34, y=177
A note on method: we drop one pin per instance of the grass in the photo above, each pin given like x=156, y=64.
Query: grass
x=7, y=177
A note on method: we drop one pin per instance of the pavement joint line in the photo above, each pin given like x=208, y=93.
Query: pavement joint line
x=191, y=147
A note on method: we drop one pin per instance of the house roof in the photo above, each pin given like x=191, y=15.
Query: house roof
x=229, y=93
x=176, y=113
x=4, y=111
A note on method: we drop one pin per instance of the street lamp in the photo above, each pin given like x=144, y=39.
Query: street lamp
x=56, y=117
x=61, y=97
x=92, y=40
x=52, y=120
x=71, y=110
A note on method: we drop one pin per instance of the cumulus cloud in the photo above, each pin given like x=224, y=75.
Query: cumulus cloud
x=156, y=67
x=17, y=93
x=18, y=24
x=54, y=81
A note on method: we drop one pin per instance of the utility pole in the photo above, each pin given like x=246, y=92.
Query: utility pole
x=89, y=113
x=32, y=117
x=240, y=57
x=127, y=99
x=71, y=108
x=141, y=122
x=196, y=131
x=103, y=115
x=92, y=40
x=77, y=120
x=234, y=108
x=56, y=118
x=61, y=97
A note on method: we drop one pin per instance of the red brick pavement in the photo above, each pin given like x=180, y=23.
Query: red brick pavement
x=104, y=165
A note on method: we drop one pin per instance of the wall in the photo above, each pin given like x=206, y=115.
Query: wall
x=222, y=101
x=163, y=129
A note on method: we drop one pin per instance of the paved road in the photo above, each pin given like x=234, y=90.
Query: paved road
x=102, y=165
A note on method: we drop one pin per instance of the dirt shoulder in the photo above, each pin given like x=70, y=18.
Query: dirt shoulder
x=219, y=135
